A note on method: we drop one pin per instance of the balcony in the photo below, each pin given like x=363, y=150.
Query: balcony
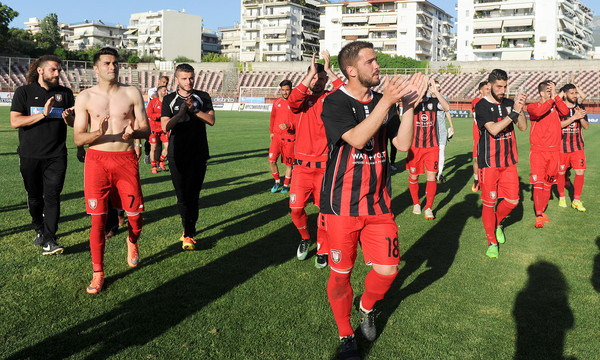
x=423, y=25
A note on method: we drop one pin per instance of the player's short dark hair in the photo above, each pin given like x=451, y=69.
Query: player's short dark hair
x=105, y=51
x=320, y=68
x=165, y=77
x=482, y=84
x=568, y=87
x=285, y=82
x=497, y=74
x=32, y=75
x=160, y=87
x=185, y=68
x=349, y=53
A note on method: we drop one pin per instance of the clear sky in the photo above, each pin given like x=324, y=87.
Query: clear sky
x=216, y=13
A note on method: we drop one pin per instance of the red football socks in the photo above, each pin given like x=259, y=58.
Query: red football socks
x=340, y=294
x=430, y=191
x=578, y=186
x=97, y=241
x=413, y=186
x=376, y=285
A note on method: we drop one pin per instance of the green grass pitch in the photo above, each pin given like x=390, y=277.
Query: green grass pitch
x=244, y=295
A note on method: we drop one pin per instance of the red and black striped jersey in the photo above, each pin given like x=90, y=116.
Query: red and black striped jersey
x=498, y=150
x=357, y=182
x=572, y=136
x=425, y=134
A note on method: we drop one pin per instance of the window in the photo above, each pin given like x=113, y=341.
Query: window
x=467, y=13
x=467, y=28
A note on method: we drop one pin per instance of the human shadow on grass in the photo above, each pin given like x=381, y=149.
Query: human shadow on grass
x=595, y=279
x=226, y=158
x=147, y=316
x=239, y=153
x=542, y=314
x=8, y=153
x=435, y=252
x=456, y=179
x=13, y=207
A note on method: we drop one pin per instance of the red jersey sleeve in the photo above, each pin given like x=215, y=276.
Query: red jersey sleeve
x=563, y=109
x=297, y=97
x=538, y=110
x=273, y=111
x=337, y=83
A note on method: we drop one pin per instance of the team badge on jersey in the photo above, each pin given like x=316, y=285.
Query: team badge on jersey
x=412, y=169
x=534, y=177
x=92, y=203
x=562, y=167
x=493, y=195
x=336, y=256
x=58, y=97
x=293, y=198
x=430, y=106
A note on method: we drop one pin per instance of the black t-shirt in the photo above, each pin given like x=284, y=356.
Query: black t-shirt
x=188, y=136
x=46, y=138
x=357, y=181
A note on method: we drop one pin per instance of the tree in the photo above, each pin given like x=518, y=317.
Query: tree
x=49, y=37
x=19, y=42
x=212, y=57
x=183, y=59
x=6, y=16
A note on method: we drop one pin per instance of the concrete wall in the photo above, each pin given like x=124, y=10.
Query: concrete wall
x=182, y=35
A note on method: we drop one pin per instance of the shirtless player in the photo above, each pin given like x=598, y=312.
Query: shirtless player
x=115, y=116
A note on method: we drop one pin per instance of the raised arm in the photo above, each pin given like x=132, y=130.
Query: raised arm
x=516, y=116
x=18, y=119
x=394, y=90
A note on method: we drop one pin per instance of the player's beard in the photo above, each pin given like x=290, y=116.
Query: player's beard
x=51, y=82
x=572, y=100
x=498, y=99
x=369, y=81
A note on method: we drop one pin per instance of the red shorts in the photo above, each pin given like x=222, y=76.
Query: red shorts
x=158, y=135
x=419, y=157
x=498, y=183
x=544, y=166
x=574, y=160
x=378, y=235
x=113, y=174
x=305, y=180
x=283, y=147
x=475, y=139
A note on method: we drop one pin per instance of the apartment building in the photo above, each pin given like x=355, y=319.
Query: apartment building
x=165, y=33
x=92, y=33
x=34, y=26
x=523, y=30
x=211, y=42
x=413, y=28
x=274, y=30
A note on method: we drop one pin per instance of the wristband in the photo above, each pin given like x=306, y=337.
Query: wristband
x=44, y=114
x=514, y=116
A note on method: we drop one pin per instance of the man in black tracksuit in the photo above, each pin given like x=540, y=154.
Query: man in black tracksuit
x=185, y=113
x=41, y=110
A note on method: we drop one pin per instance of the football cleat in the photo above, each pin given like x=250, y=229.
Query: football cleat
x=188, y=243
x=546, y=220
x=133, y=257
x=475, y=187
x=367, y=322
x=285, y=189
x=492, y=251
x=429, y=214
x=51, y=247
x=276, y=187
x=154, y=170
x=576, y=204
x=417, y=209
x=539, y=222
x=500, y=234
x=147, y=159
x=321, y=261
x=348, y=349
x=302, y=251
x=97, y=283
x=562, y=202
x=441, y=178
x=393, y=167
x=38, y=240
x=162, y=166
